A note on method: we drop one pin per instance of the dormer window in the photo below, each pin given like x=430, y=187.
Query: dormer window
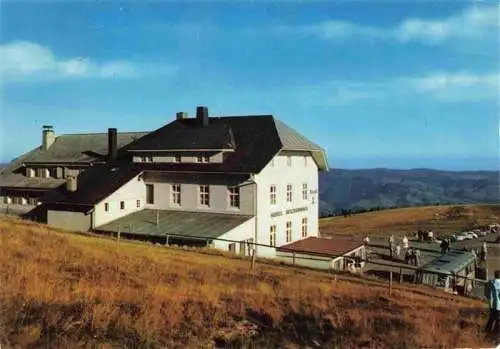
x=203, y=159
x=148, y=158
x=41, y=172
x=30, y=172
x=177, y=158
x=53, y=172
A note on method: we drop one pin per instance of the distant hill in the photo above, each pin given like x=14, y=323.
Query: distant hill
x=384, y=188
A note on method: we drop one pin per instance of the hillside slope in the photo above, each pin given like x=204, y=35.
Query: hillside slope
x=354, y=189
x=439, y=219
x=62, y=290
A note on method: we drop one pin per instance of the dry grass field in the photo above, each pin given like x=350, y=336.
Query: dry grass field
x=439, y=219
x=64, y=290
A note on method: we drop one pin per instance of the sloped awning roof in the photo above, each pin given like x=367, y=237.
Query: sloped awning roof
x=180, y=223
x=332, y=247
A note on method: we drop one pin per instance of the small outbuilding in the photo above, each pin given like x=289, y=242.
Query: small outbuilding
x=335, y=253
x=452, y=272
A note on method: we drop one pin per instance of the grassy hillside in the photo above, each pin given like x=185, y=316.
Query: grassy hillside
x=364, y=189
x=440, y=219
x=62, y=290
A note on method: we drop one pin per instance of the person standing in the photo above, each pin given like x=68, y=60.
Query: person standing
x=492, y=295
x=417, y=257
x=391, y=245
x=405, y=243
x=366, y=240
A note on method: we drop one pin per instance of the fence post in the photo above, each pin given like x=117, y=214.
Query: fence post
x=400, y=275
x=252, y=262
x=166, y=239
x=118, y=235
x=293, y=258
x=390, y=283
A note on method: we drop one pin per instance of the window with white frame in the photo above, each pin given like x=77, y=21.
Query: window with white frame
x=289, y=161
x=177, y=158
x=272, y=235
x=288, y=231
x=288, y=193
x=272, y=194
x=122, y=205
x=304, y=227
x=204, y=195
x=304, y=191
x=138, y=203
x=106, y=207
x=176, y=194
x=234, y=197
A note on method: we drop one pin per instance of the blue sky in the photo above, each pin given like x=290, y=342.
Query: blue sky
x=377, y=84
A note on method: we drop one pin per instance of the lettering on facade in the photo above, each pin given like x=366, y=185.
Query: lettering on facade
x=290, y=211
x=315, y=191
x=295, y=210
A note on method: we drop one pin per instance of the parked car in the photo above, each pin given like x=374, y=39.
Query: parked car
x=461, y=236
x=471, y=235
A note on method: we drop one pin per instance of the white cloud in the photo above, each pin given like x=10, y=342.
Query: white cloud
x=449, y=87
x=459, y=86
x=27, y=61
x=477, y=22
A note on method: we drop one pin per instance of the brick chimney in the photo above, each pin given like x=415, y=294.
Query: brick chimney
x=112, y=144
x=202, y=116
x=48, y=136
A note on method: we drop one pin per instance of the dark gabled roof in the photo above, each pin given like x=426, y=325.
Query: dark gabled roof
x=331, y=247
x=85, y=147
x=67, y=149
x=253, y=140
x=192, y=225
x=94, y=184
x=187, y=134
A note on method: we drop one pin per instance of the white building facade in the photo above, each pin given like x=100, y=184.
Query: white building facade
x=238, y=183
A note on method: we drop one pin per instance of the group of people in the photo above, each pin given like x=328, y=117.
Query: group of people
x=411, y=255
x=423, y=235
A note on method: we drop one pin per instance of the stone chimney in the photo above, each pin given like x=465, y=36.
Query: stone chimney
x=48, y=136
x=71, y=184
x=181, y=115
x=202, y=116
x=112, y=144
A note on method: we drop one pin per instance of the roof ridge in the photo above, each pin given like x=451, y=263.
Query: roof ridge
x=99, y=133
